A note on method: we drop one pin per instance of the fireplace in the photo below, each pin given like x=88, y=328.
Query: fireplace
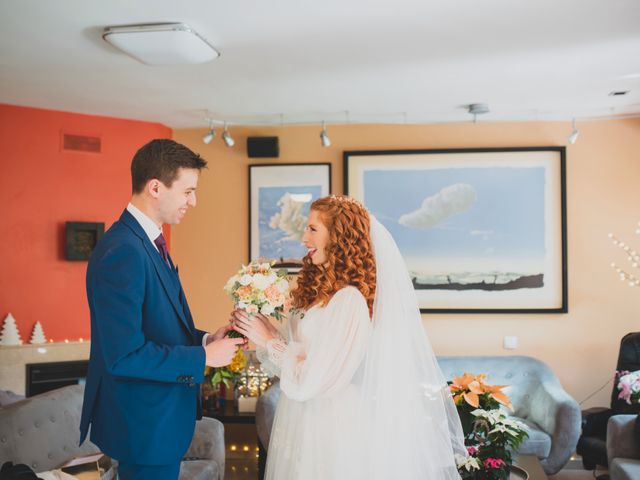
x=42, y=377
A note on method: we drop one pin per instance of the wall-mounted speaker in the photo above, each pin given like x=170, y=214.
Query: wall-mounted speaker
x=263, y=147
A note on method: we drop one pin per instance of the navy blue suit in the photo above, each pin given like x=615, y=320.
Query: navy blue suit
x=147, y=360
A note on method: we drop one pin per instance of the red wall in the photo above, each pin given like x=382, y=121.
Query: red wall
x=41, y=187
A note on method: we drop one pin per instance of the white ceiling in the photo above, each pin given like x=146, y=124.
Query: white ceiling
x=314, y=60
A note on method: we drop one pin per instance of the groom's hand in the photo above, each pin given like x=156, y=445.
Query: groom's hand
x=219, y=334
x=220, y=352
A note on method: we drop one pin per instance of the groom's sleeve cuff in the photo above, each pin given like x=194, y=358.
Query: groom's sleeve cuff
x=204, y=339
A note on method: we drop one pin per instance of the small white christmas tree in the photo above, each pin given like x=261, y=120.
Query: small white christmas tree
x=37, y=336
x=10, y=334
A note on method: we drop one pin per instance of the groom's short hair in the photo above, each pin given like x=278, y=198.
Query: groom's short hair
x=161, y=159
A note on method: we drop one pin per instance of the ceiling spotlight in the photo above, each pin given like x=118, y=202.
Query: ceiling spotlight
x=476, y=109
x=324, y=136
x=208, y=137
x=226, y=136
x=574, y=134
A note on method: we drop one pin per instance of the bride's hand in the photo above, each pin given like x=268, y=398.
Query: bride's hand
x=256, y=328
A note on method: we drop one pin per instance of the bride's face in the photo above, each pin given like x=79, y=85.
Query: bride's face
x=316, y=238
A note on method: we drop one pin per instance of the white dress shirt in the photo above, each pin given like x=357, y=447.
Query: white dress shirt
x=153, y=231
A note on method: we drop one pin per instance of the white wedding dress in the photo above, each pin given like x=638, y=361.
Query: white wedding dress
x=362, y=398
x=320, y=367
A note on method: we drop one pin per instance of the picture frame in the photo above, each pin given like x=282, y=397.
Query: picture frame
x=482, y=230
x=279, y=199
x=81, y=238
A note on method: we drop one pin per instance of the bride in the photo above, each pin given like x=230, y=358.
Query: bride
x=363, y=396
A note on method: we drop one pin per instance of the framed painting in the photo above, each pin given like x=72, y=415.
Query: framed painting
x=279, y=200
x=481, y=230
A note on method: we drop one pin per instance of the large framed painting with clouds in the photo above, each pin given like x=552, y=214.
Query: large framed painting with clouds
x=481, y=230
x=279, y=200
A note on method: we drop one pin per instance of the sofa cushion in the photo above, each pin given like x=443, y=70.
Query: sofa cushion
x=624, y=469
x=538, y=443
x=199, y=470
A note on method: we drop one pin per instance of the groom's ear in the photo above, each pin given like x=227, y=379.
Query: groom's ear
x=153, y=187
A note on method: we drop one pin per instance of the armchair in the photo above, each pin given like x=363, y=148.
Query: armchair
x=43, y=433
x=623, y=447
x=592, y=445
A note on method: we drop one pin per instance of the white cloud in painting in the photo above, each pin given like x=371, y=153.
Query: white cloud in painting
x=290, y=218
x=449, y=201
x=485, y=234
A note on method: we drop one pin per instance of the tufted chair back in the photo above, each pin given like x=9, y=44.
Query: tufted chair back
x=42, y=431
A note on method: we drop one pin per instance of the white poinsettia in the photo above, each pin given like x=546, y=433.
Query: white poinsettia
x=468, y=463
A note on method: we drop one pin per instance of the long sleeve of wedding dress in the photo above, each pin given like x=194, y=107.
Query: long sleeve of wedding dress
x=325, y=348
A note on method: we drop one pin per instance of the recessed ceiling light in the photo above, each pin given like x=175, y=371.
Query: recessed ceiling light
x=161, y=43
x=618, y=93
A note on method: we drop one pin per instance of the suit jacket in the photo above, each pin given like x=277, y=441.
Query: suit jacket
x=147, y=360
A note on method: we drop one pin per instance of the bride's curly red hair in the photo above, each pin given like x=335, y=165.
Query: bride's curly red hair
x=350, y=259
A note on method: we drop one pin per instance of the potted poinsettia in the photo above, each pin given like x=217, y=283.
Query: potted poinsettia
x=490, y=435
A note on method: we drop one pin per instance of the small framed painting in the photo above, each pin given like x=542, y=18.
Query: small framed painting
x=279, y=199
x=481, y=230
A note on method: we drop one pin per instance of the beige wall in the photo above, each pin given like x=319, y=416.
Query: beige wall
x=603, y=195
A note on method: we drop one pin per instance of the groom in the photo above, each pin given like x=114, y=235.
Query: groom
x=147, y=358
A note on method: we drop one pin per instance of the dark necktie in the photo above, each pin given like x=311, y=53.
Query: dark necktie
x=161, y=243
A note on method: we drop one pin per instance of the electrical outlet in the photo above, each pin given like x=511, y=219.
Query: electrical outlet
x=510, y=343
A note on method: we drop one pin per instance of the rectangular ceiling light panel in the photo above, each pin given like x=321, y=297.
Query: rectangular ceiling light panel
x=161, y=44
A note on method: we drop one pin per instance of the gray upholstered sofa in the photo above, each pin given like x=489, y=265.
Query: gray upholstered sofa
x=43, y=432
x=623, y=448
x=539, y=400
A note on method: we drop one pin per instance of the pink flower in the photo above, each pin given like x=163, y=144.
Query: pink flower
x=493, y=463
x=625, y=392
x=472, y=450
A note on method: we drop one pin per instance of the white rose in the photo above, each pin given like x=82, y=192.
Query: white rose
x=242, y=305
x=245, y=280
x=273, y=277
x=267, y=309
x=260, y=281
x=282, y=285
x=265, y=266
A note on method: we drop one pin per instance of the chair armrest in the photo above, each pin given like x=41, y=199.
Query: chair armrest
x=208, y=442
x=594, y=421
x=559, y=415
x=621, y=438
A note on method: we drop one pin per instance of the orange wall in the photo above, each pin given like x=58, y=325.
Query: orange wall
x=603, y=170
x=41, y=188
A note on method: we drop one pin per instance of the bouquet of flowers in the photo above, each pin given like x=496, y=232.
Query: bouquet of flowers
x=490, y=435
x=258, y=288
x=629, y=386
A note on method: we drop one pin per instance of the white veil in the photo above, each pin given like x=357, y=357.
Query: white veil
x=407, y=418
